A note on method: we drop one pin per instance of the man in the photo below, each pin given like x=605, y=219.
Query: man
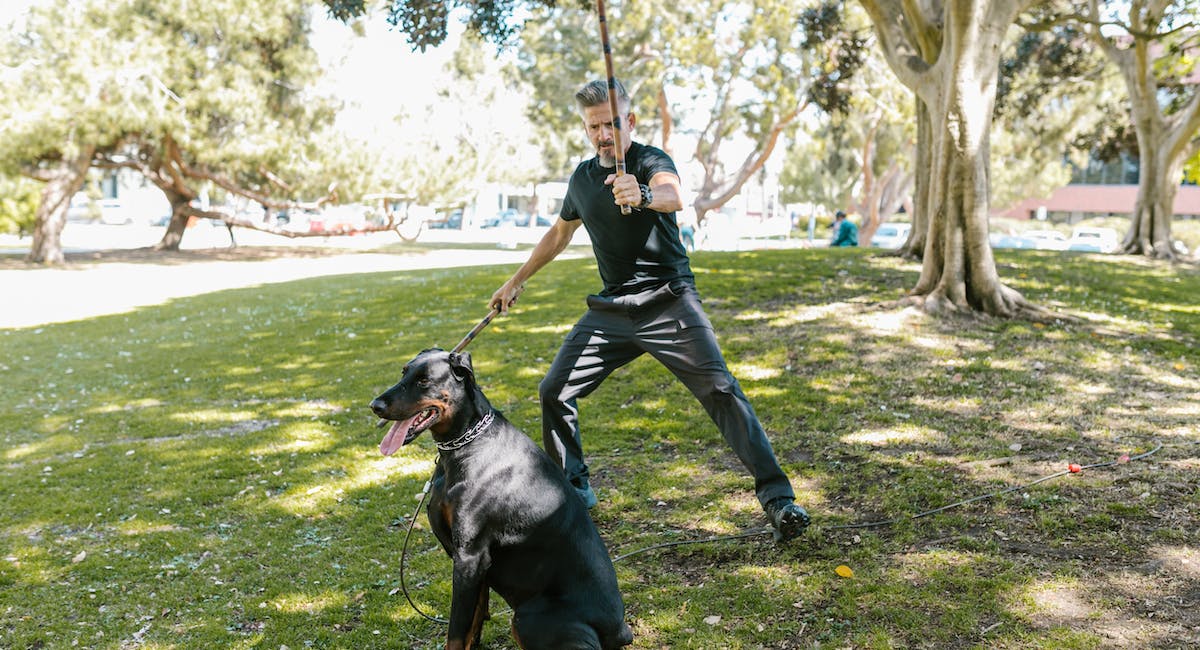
x=845, y=233
x=649, y=304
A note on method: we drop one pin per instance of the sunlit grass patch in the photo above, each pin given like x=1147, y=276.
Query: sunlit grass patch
x=214, y=480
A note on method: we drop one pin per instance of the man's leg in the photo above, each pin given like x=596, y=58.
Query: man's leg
x=682, y=339
x=595, y=347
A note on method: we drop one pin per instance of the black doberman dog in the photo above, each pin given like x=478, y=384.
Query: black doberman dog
x=505, y=514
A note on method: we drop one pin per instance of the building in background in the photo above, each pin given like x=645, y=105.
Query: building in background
x=1100, y=190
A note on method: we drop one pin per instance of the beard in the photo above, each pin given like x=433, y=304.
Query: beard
x=607, y=157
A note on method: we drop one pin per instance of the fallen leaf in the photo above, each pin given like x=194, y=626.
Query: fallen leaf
x=712, y=620
x=79, y=558
x=844, y=571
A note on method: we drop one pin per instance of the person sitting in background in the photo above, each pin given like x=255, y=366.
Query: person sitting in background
x=845, y=233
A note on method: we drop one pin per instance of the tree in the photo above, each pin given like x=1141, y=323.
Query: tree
x=1154, y=44
x=238, y=117
x=762, y=72
x=475, y=124
x=191, y=95
x=60, y=104
x=948, y=54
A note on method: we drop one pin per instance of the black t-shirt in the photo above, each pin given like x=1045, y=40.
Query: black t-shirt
x=637, y=251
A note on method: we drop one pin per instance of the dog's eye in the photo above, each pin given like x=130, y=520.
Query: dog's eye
x=424, y=382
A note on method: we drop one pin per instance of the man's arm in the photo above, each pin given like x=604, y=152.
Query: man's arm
x=664, y=186
x=552, y=243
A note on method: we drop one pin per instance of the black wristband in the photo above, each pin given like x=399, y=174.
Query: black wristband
x=647, y=196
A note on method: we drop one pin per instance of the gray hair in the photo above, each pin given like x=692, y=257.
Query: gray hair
x=595, y=93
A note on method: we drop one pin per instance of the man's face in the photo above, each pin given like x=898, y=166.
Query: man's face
x=597, y=123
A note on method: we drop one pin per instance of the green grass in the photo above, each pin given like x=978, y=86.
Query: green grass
x=204, y=473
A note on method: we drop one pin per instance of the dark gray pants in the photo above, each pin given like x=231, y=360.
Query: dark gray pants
x=671, y=325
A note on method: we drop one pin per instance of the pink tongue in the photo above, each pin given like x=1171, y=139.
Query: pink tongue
x=395, y=436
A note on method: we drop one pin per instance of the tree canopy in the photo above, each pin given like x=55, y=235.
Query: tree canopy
x=191, y=95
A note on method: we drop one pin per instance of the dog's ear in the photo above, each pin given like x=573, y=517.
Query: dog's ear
x=460, y=365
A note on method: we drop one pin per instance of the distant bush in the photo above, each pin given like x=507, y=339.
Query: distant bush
x=18, y=205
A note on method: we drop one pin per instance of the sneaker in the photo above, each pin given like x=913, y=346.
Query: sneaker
x=788, y=519
x=586, y=493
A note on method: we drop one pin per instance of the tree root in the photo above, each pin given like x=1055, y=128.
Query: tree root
x=1012, y=306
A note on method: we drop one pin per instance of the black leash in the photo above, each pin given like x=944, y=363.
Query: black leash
x=404, y=553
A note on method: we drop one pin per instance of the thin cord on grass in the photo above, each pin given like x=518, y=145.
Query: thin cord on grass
x=889, y=522
x=767, y=531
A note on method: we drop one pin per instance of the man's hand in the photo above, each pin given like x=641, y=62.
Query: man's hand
x=625, y=189
x=506, y=296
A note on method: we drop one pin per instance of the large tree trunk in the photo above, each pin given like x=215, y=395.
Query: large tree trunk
x=62, y=183
x=959, y=272
x=955, y=79
x=920, y=209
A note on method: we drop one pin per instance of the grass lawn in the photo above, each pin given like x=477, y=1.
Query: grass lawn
x=204, y=473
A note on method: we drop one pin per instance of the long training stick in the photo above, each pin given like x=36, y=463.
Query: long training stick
x=618, y=150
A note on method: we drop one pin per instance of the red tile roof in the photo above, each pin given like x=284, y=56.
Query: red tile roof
x=1100, y=199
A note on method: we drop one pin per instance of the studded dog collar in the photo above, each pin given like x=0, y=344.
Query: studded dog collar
x=470, y=434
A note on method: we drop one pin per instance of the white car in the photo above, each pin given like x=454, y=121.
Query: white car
x=114, y=213
x=891, y=235
x=1093, y=240
x=1047, y=240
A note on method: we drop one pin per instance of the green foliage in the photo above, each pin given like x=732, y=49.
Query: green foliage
x=241, y=101
x=1191, y=169
x=70, y=80
x=472, y=125
x=725, y=69
x=18, y=205
x=203, y=473
x=1056, y=99
x=865, y=106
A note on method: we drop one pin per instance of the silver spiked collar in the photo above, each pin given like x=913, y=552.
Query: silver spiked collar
x=470, y=434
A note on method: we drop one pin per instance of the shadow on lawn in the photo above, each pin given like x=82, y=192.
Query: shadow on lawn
x=227, y=479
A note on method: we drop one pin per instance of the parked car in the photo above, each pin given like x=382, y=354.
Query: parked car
x=1050, y=240
x=1012, y=241
x=1093, y=240
x=114, y=213
x=81, y=209
x=339, y=218
x=512, y=217
x=451, y=220
x=891, y=235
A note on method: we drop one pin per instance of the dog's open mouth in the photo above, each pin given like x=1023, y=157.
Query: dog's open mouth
x=403, y=432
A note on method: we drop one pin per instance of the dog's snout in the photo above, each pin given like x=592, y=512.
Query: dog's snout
x=378, y=407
